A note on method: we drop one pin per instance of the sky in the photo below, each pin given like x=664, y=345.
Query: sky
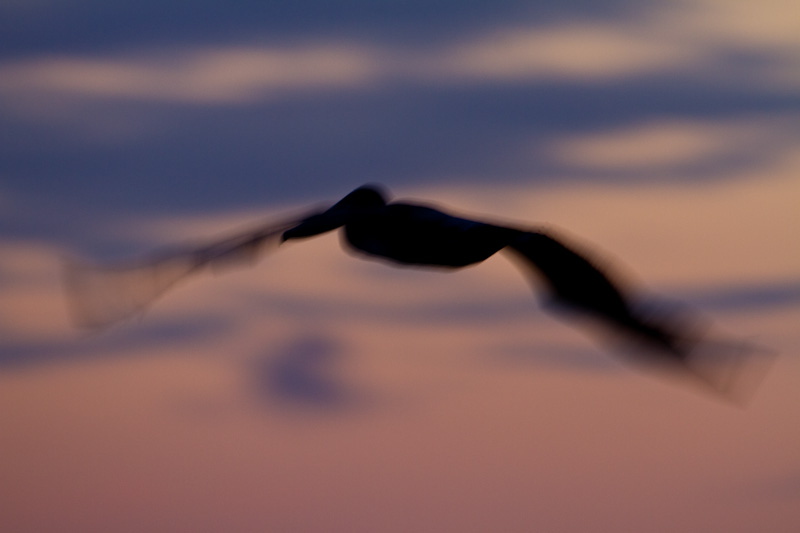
x=315, y=391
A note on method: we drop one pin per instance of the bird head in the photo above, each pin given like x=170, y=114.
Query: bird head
x=362, y=200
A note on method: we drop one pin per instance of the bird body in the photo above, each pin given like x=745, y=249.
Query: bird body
x=419, y=235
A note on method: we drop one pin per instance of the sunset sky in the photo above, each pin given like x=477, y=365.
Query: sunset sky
x=316, y=391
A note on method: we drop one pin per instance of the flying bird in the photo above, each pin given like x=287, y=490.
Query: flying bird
x=414, y=234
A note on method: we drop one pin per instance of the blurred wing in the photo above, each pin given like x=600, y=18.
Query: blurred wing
x=99, y=296
x=665, y=338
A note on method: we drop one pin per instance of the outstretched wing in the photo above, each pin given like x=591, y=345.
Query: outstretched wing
x=577, y=283
x=99, y=296
x=668, y=339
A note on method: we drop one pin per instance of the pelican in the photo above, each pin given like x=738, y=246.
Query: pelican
x=408, y=234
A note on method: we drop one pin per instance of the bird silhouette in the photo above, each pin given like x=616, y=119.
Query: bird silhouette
x=417, y=235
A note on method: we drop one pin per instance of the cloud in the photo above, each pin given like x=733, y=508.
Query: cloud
x=586, y=52
x=765, y=24
x=304, y=374
x=519, y=100
x=201, y=76
x=706, y=39
x=674, y=143
x=750, y=298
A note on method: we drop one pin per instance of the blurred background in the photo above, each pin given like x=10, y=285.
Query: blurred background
x=318, y=392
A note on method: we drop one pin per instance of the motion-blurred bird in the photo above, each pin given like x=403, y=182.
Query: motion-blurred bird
x=411, y=234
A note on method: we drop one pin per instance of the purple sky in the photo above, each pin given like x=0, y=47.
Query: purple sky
x=319, y=393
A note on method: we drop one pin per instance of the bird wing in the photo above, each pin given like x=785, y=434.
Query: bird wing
x=668, y=338
x=101, y=295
